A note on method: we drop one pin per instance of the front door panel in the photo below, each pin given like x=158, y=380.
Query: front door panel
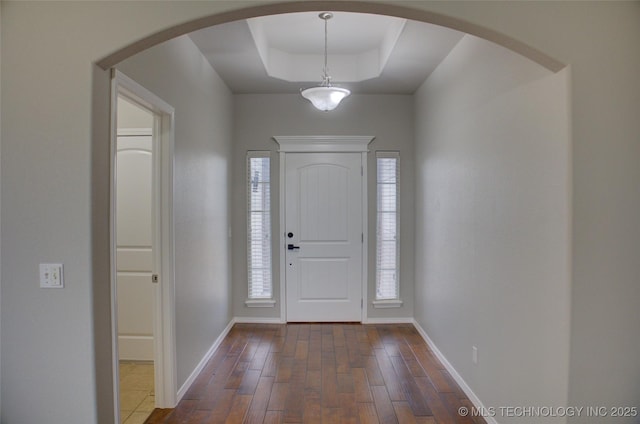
x=323, y=212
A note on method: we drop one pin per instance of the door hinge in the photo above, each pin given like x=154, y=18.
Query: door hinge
x=154, y=278
x=362, y=238
x=361, y=303
x=362, y=171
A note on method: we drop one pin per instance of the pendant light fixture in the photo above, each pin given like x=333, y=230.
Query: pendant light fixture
x=325, y=97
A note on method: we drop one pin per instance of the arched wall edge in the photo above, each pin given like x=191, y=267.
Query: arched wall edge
x=100, y=141
x=344, y=6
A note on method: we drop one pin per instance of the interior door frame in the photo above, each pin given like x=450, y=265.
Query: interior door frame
x=163, y=240
x=323, y=144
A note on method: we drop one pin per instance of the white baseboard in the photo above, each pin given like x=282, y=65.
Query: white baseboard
x=135, y=348
x=255, y=320
x=401, y=320
x=198, y=369
x=463, y=384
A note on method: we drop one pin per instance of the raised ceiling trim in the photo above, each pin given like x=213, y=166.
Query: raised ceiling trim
x=344, y=6
x=300, y=67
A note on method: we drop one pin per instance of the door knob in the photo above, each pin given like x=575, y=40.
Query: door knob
x=292, y=247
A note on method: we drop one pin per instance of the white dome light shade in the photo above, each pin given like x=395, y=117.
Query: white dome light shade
x=325, y=98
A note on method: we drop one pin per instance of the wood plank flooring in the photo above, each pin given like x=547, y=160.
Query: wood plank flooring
x=321, y=373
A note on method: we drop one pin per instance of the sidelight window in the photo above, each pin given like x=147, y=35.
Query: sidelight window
x=387, y=234
x=259, y=225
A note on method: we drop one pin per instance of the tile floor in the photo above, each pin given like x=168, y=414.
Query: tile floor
x=137, y=398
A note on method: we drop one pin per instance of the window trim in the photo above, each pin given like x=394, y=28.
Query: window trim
x=258, y=302
x=388, y=302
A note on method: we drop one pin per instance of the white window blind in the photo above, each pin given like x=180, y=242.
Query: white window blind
x=387, y=234
x=259, y=225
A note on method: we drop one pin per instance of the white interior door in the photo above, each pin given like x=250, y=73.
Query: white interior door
x=134, y=236
x=324, y=232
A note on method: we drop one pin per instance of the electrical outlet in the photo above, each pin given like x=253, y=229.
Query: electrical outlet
x=51, y=276
x=474, y=354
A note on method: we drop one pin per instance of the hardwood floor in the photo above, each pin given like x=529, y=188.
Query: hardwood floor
x=321, y=373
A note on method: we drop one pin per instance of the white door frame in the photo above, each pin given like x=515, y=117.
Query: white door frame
x=163, y=247
x=323, y=144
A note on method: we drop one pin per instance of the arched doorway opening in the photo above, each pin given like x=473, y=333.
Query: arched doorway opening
x=204, y=22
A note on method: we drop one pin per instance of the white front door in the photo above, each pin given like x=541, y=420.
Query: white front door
x=323, y=233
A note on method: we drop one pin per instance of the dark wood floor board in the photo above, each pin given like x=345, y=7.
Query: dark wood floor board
x=330, y=415
x=392, y=349
x=453, y=385
x=238, y=410
x=290, y=341
x=220, y=411
x=260, y=356
x=279, y=393
x=313, y=381
x=321, y=373
x=303, y=331
x=342, y=360
x=249, y=382
x=373, y=371
x=384, y=407
x=254, y=417
x=302, y=349
x=345, y=383
x=327, y=342
x=374, y=338
x=410, y=388
x=410, y=359
x=249, y=350
x=339, y=339
x=294, y=404
x=329, y=382
x=353, y=350
x=240, y=343
x=367, y=413
x=271, y=364
x=285, y=367
x=177, y=415
x=196, y=417
x=391, y=379
x=237, y=375
x=404, y=413
x=426, y=361
x=453, y=404
x=314, y=353
x=273, y=417
x=312, y=413
x=261, y=396
x=439, y=409
x=348, y=408
x=361, y=385
x=210, y=397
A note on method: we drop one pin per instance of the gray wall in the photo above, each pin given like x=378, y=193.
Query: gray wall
x=259, y=117
x=54, y=108
x=492, y=228
x=177, y=72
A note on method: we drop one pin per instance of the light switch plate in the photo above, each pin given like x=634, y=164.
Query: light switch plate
x=51, y=276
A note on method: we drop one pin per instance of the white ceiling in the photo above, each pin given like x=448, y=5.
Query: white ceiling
x=370, y=54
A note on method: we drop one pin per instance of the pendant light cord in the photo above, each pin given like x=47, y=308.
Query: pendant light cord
x=326, y=79
x=326, y=70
